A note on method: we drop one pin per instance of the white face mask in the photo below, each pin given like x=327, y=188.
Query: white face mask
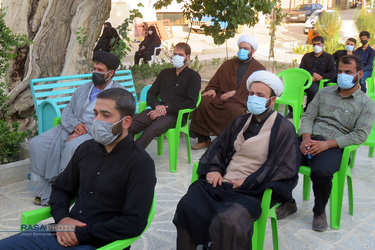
x=102, y=131
x=150, y=32
x=317, y=49
x=178, y=61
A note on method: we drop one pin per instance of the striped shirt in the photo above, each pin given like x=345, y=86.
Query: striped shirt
x=348, y=120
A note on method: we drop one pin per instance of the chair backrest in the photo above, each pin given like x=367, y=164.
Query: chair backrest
x=295, y=81
x=61, y=88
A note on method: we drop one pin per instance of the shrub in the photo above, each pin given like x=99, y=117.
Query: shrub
x=10, y=137
x=328, y=27
x=365, y=21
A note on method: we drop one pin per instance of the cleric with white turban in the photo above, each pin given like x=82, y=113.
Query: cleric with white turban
x=247, y=45
x=268, y=78
x=260, y=97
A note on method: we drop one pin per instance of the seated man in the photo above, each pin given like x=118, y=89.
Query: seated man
x=351, y=43
x=51, y=151
x=319, y=64
x=367, y=54
x=257, y=151
x=338, y=116
x=111, y=178
x=174, y=89
x=224, y=98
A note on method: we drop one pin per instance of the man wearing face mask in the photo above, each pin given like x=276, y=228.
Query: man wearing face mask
x=319, y=64
x=367, y=54
x=174, y=89
x=338, y=116
x=258, y=150
x=51, y=151
x=351, y=43
x=111, y=179
x=225, y=96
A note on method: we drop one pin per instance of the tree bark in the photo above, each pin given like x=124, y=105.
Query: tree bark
x=55, y=51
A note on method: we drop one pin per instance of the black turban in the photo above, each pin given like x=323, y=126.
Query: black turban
x=108, y=59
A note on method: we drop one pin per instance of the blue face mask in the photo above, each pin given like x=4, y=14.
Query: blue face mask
x=349, y=47
x=243, y=54
x=256, y=105
x=346, y=81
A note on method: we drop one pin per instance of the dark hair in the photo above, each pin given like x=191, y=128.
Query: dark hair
x=185, y=47
x=352, y=39
x=318, y=39
x=364, y=33
x=125, y=102
x=349, y=60
x=108, y=24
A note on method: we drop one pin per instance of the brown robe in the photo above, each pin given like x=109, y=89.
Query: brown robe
x=213, y=115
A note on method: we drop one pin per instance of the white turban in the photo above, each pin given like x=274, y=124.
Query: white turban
x=268, y=78
x=248, y=39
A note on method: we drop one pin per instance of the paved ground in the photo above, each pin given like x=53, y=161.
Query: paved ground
x=357, y=232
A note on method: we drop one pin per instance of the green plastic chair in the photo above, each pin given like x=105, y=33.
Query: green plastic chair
x=294, y=80
x=34, y=216
x=323, y=83
x=173, y=134
x=371, y=80
x=259, y=229
x=338, y=183
x=371, y=137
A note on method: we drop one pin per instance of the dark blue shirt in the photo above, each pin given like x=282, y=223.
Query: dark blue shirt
x=367, y=57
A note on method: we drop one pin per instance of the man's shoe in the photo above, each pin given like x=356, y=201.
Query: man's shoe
x=38, y=201
x=286, y=209
x=320, y=222
x=289, y=115
x=201, y=145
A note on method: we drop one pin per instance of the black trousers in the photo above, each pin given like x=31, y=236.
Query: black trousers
x=146, y=55
x=151, y=128
x=323, y=166
x=230, y=229
x=311, y=92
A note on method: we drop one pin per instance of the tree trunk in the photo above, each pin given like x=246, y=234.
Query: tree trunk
x=55, y=51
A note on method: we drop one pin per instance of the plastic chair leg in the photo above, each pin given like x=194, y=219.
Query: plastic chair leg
x=188, y=147
x=371, y=152
x=160, y=144
x=275, y=233
x=286, y=107
x=306, y=187
x=173, y=143
x=336, y=199
x=350, y=192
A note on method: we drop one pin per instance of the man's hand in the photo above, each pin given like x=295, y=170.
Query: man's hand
x=73, y=136
x=238, y=183
x=153, y=114
x=214, y=178
x=320, y=146
x=142, y=47
x=161, y=109
x=317, y=77
x=68, y=239
x=228, y=94
x=81, y=129
x=315, y=147
x=210, y=92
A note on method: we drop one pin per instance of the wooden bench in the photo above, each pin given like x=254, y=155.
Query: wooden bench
x=52, y=94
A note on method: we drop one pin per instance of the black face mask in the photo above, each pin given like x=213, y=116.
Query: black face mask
x=364, y=42
x=98, y=78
